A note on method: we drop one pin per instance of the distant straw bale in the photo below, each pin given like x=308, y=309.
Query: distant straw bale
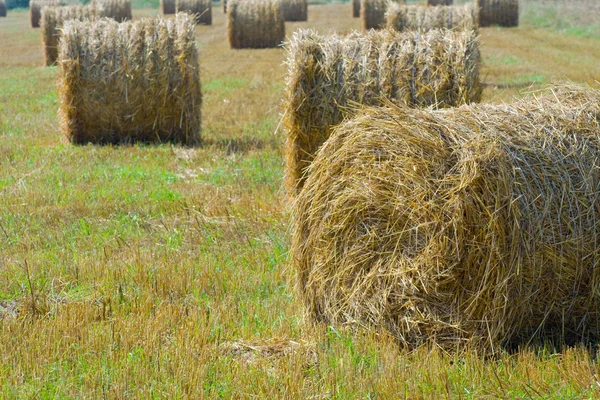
x=356, y=8
x=52, y=21
x=224, y=5
x=498, y=12
x=295, y=10
x=440, y=2
x=328, y=76
x=201, y=10
x=472, y=226
x=167, y=6
x=119, y=10
x=35, y=10
x=2, y=8
x=130, y=82
x=255, y=24
x=372, y=12
x=422, y=19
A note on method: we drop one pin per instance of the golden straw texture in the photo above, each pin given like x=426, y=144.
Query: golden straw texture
x=167, y=6
x=35, y=10
x=423, y=19
x=201, y=10
x=372, y=12
x=255, y=24
x=119, y=10
x=52, y=21
x=294, y=10
x=134, y=81
x=329, y=75
x=498, y=12
x=471, y=226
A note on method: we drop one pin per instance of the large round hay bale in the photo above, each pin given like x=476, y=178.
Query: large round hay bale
x=134, y=81
x=51, y=23
x=2, y=8
x=476, y=225
x=423, y=19
x=35, y=10
x=498, y=12
x=119, y=10
x=255, y=24
x=167, y=6
x=372, y=12
x=295, y=10
x=329, y=75
x=440, y=2
x=201, y=10
x=356, y=8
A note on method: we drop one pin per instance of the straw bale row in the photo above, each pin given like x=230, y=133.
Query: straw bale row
x=119, y=10
x=329, y=76
x=471, y=226
x=134, y=81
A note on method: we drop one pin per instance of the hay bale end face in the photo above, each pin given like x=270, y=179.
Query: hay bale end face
x=130, y=82
x=372, y=12
x=356, y=8
x=440, y=2
x=498, y=12
x=51, y=23
x=119, y=10
x=423, y=19
x=255, y=24
x=2, y=8
x=35, y=10
x=167, y=6
x=472, y=226
x=294, y=10
x=200, y=10
x=329, y=75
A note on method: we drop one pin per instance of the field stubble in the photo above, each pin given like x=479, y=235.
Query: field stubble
x=150, y=271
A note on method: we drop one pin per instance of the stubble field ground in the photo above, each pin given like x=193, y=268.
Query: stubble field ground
x=161, y=271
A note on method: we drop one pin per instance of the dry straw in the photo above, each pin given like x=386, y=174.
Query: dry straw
x=472, y=226
x=134, y=81
x=2, y=8
x=419, y=18
x=167, y=6
x=329, y=75
x=255, y=24
x=52, y=21
x=35, y=10
x=119, y=10
x=356, y=8
x=294, y=10
x=372, y=12
x=498, y=12
x=440, y=2
x=201, y=10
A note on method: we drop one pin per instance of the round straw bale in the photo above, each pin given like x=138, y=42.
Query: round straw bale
x=134, y=81
x=255, y=24
x=422, y=19
x=119, y=10
x=2, y=8
x=440, y=2
x=476, y=225
x=498, y=12
x=356, y=8
x=372, y=12
x=329, y=75
x=201, y=10
x=35, y=10
x=294, y=10
x=167, y=6
x=52, y=21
